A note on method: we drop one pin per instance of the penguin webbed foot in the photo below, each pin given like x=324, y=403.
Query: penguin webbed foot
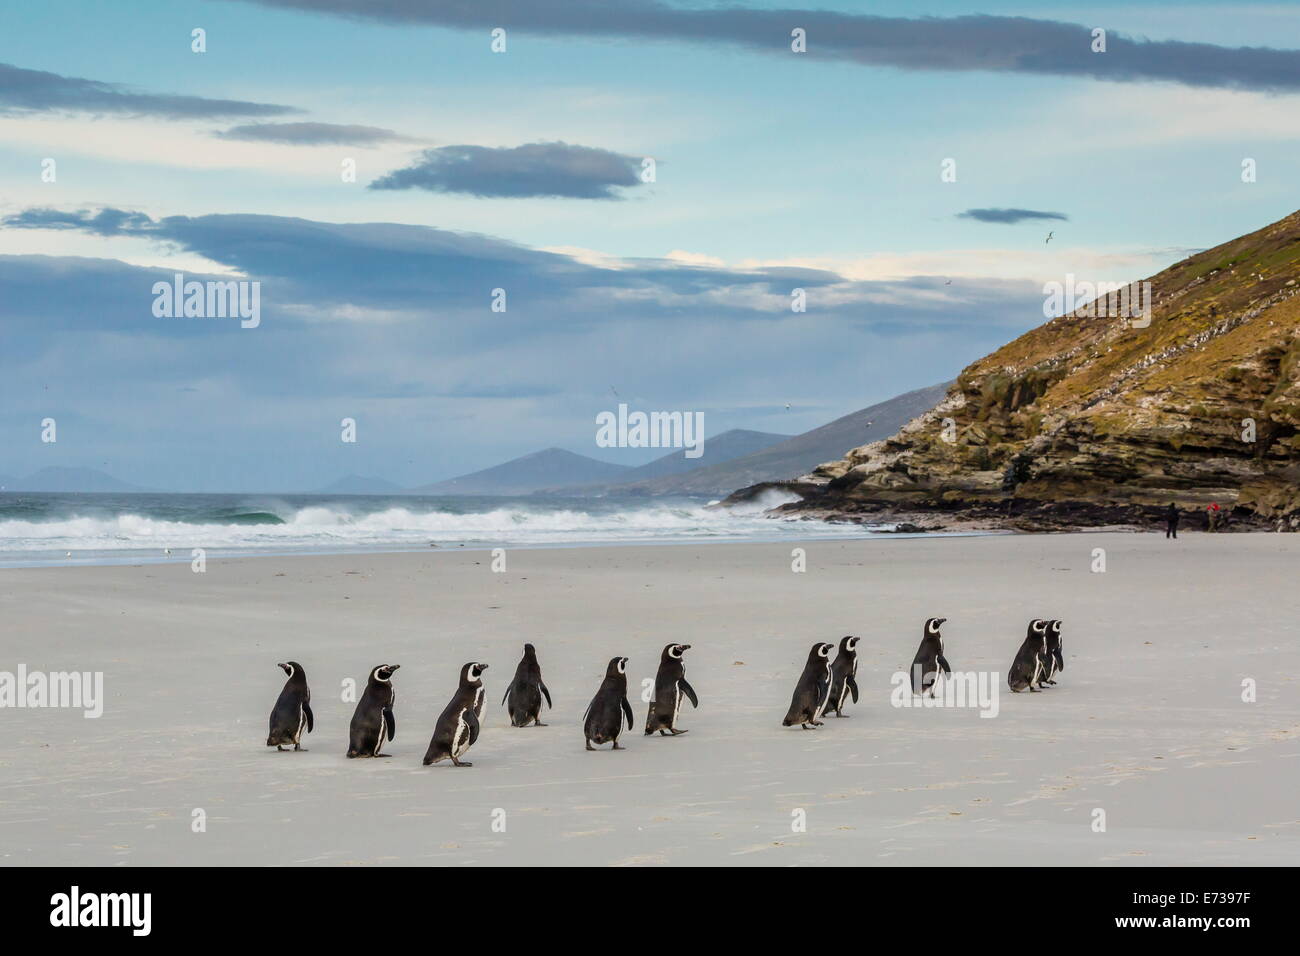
x=589, y=746
x=617, y=747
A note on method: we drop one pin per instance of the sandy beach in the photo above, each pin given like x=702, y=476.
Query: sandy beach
x=1147, y=722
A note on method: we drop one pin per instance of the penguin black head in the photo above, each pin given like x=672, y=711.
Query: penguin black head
x=471, y=672
x=384, y=672
x=617, y=666
x=674, y=652
x=1054, y=627
x=530, y=651
x=849, y=644
x=820, y=653
x=933, y=624
x=292, y=669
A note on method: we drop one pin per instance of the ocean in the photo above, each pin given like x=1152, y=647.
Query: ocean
x=77, y=529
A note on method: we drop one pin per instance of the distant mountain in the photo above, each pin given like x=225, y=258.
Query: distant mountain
x=551, y=468
x=794, y=456
x=68, y=479
x=726, y=446
x=361, y=485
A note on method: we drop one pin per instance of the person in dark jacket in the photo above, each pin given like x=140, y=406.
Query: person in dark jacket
x=1171, y=521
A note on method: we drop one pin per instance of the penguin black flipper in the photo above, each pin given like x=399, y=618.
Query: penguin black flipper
x=472, y=722
x=689, y=691
x=853, y=687
x=627, y=712
x=1060, y=661
x=391, y=721
x=943, y=662
x=545, y=693
x=311, y=720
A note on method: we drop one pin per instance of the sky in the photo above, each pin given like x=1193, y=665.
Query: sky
x=647, y=182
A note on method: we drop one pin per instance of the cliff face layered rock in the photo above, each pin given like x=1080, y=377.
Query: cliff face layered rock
x=1092, y=419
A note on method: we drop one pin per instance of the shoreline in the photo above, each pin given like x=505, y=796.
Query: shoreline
x=140, y=560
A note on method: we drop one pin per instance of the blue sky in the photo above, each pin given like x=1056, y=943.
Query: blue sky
x=774, y=170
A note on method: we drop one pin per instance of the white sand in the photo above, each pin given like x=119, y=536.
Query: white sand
x=1147, y=721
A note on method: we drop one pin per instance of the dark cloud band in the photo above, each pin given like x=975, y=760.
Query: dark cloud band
x=977, y=42
x=33, y=91
x=312, y=134
x=1009, y=216
x=531, y=170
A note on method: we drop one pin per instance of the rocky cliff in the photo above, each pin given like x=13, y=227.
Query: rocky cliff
x=1099, y=418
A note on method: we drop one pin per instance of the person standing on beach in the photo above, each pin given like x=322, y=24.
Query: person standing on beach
x=1171, y=521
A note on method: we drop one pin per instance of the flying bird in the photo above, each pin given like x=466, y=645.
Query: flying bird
x=1049, y=237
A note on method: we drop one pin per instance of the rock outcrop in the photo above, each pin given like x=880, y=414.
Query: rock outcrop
x=1097, y=418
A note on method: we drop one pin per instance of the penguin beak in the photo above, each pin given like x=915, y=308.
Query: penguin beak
x=283, y=667
x=686, y=647
x=483, y=667
x=942, y=620
x=393, y=667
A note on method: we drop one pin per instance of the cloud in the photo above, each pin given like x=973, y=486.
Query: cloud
x=973, y=42
x=33, y=91
x=532, y=170
x=106, y=222
x=312, y=134
x=392, y=324
x=389, y=274
x=1009, y=215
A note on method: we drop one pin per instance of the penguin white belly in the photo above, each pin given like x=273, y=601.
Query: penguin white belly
x=460, y=739
x=677, y=703
x=824, y=698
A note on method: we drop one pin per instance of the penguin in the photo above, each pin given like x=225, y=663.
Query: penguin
x=1027, y=667
x=844, y=672
x=603, y=720
x=929, y=659
x=813, y=691
x=292, y=711
x=457, y=726
x=523, y=698
x=373, y=721
x=670, y=685
x=1053, y=662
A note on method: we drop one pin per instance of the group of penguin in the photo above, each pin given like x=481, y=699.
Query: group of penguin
x=823, y=686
